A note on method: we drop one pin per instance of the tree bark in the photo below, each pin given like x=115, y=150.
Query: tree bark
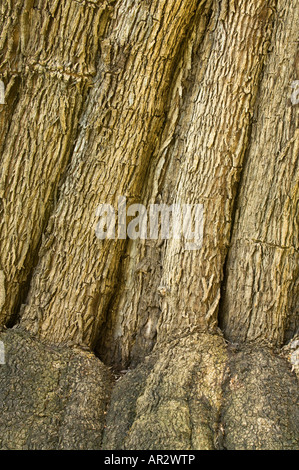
x=142, y=344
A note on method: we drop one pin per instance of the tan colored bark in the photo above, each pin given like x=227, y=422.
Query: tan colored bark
x=47, y=78
x=159, y=101
x=202, y=165
x=261, y=296
x=130, y=328
x=73, y=282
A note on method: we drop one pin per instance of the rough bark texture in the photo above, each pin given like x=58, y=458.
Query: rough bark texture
x=161, y=102
x=261, y=297
x=51, y=398
x=47, y=75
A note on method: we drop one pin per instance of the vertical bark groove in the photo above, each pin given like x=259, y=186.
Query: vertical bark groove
x=263, y=259
x=110, y=158
x=205, y=164
x=161, y=102
x=52, y=74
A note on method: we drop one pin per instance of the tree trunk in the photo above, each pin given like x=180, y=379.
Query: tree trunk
x=141, y=343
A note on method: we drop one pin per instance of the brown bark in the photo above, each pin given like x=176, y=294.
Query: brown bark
x=261, y=295
x=161, y=102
